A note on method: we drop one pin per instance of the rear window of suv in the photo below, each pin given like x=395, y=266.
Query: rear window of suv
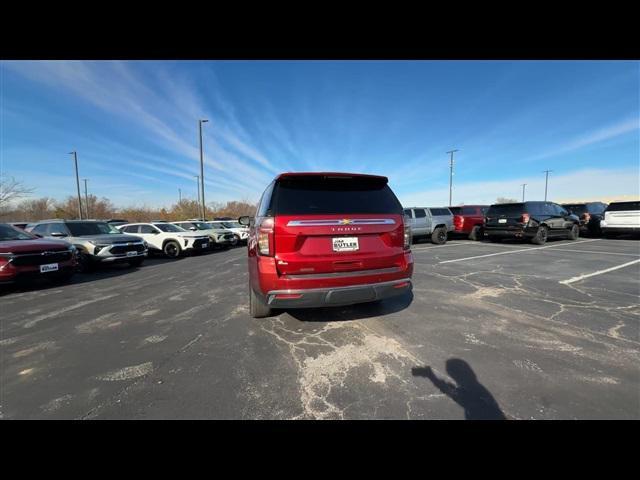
x=623, y=206
x=506, y=209
x=333, y=195
x=577, y=209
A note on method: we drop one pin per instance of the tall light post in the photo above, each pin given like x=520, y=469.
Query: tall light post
x=75, y=159
x=523, y=185
x=86, y=197
x=197, y=177
x=179, y=196
x=546, y=182
x=451, y=175
x=200, y=122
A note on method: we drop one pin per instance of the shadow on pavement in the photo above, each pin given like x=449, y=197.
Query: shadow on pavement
x=352, y=312
x=477, y=401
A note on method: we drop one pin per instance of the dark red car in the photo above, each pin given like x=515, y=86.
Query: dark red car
x=468, y=220
x=324, y=239
x=25, y=256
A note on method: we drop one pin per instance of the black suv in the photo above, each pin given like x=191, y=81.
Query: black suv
x=535, y=221
x=589, y=214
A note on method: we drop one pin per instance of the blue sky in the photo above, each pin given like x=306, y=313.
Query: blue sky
x=135, y=126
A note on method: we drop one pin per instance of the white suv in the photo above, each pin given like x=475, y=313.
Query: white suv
x=167, y=238
x=621, y=218
x=242, y=233
x=218, y=235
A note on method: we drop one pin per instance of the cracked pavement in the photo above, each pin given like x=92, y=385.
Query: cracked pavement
x=491, y=336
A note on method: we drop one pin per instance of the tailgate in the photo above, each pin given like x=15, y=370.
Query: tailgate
x=623, y=218
x=307, y=244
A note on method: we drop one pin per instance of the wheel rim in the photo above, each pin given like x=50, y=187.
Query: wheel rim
x=171, y=250
x=441, y=236
x=543, y=234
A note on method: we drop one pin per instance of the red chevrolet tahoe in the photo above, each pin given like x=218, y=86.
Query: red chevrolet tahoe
x=324, y=239
x=468, y=220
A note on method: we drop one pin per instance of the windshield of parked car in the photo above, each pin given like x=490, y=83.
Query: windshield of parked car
x=201, y=225
x=232, y=225
x=169, y=227
x=7, y=232
x=80, y=229
x=216, y=226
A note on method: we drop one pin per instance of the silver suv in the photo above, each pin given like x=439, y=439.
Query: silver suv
x=430, y=221
x=96, y=242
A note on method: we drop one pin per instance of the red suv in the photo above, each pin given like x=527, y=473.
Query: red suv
x=23, y=256
x=325, y=239
x=468, y=220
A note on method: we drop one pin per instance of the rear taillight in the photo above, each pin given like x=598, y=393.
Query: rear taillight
x=407, y=236
x=265, y=237
x=525, y=218
x=458, y=221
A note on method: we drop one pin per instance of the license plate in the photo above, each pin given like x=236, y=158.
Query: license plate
x=205, y=245
x=502, y=220
x=345, y=244
x=132, y=254
x=49, y=267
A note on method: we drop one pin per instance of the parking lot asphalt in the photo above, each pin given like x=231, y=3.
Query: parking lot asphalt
x=506, y=330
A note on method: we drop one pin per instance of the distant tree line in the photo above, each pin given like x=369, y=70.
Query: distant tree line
x=30, y=210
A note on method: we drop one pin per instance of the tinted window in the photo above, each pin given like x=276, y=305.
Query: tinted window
x=536, y=208
x=41, y=229
x=79, y=229
x=333, y=195
x=507, y=209
x=623, y=206
x=484, y=210
x=577, y=208
x=167, y=227
x=456, y=210
x=440, y=211
x=265, y=202
x=147, y=229
x=8, y=232
x=560, y=210
x=597, y=207
x=469, y=210
x=420, y=213
x=407, y=212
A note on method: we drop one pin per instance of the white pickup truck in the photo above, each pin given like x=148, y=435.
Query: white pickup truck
x=621, y=218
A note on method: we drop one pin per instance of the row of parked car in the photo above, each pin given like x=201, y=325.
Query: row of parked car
x=535, y=221
x=57, y=248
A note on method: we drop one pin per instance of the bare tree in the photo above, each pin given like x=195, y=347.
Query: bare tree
x=12, y=189
x=506, y=200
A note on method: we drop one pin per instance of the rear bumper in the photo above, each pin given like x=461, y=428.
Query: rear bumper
x=620, y=230
x=26, y=274
x=336, y=296
x=510, y=233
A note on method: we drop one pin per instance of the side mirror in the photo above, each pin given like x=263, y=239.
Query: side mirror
x=245, y=220
x=39, y=235
x=193, y=229
x=58, y=234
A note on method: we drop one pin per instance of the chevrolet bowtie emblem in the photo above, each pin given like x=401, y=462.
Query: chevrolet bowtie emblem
x=346, y=221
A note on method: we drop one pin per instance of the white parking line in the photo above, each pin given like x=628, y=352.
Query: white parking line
x=442, y=246
x=516, y=251
x=599, y=272
x=600, y=253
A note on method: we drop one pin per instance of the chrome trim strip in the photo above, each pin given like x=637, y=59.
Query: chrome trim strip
x=350, y=287
x=340, y=222
x=355, y=273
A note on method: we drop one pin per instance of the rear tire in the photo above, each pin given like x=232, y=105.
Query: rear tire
x=574, y=233
x=476, y=234
x=171, y=249
x=541, y=236
x=257, y=308
x=439, y=236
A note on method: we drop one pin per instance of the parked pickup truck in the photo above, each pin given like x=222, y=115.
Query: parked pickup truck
x=430, y=222
x=468, y=220
x=621, y=218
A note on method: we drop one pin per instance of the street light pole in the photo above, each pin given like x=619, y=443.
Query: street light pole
x=451, y=176
x=523, y=185
x=197, y=177
x=546, y=182
x=75, y=159
x=202, y=208
x=86, y=198
x=180, y=196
